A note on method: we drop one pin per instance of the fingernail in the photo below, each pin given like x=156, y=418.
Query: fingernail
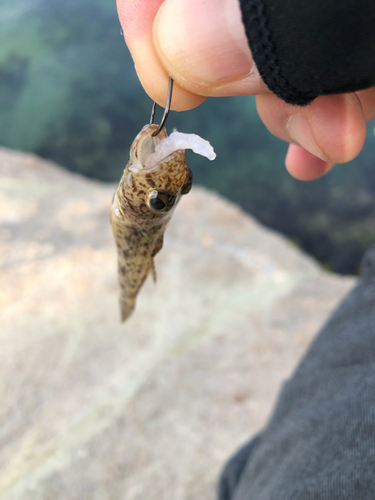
x=203, y=42
x=299, y=131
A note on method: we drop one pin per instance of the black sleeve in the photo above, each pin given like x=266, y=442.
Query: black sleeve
x=307, y=48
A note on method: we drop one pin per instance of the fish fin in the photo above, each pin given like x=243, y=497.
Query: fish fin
x=153, y=270
x=157, y=248
x=126, y=310
x=159, y=245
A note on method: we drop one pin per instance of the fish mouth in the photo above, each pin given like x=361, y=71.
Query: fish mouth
x=147, y=149
x=147, y=152
x=143, y=147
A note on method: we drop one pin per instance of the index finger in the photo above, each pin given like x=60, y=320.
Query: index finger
x=202, y=45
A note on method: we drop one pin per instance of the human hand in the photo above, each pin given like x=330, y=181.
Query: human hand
x=202, y=45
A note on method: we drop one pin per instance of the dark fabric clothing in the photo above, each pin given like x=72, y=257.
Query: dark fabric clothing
x=320, y=442
x=304, y=49
x=232, y=472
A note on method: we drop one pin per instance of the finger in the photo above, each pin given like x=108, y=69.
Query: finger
x=137, y=20
x=367, y=98
x=304, y=166
x=203, y=46
x=332, y=128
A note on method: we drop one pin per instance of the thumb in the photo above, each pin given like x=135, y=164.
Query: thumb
x=203, y=46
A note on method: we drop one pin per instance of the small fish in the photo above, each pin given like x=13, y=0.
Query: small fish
x=152, y=184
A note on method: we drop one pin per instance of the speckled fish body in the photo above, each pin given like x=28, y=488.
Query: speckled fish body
x=141, y=209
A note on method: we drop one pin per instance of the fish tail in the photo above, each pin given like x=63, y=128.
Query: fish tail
x=126, y=309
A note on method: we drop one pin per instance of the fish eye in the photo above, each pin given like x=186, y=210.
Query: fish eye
x=159, y=201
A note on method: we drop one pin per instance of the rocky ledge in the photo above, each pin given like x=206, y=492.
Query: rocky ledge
x=150, y=409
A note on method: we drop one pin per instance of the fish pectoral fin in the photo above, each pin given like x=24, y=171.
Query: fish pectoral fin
x=157, y=248
x=153, y=270
x=159, y=245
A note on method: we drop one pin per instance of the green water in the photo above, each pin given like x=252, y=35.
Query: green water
x=69, y=92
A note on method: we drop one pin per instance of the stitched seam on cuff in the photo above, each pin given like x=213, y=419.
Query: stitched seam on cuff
x=264, y=54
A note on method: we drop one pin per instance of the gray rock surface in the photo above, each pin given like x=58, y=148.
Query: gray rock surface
x=94, y=409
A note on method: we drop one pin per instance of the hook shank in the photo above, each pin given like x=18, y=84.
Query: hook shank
x=166, y=110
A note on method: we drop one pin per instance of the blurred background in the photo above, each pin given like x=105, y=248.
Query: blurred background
x=69, y=92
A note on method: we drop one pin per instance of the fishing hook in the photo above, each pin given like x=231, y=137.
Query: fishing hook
x=166, y=110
